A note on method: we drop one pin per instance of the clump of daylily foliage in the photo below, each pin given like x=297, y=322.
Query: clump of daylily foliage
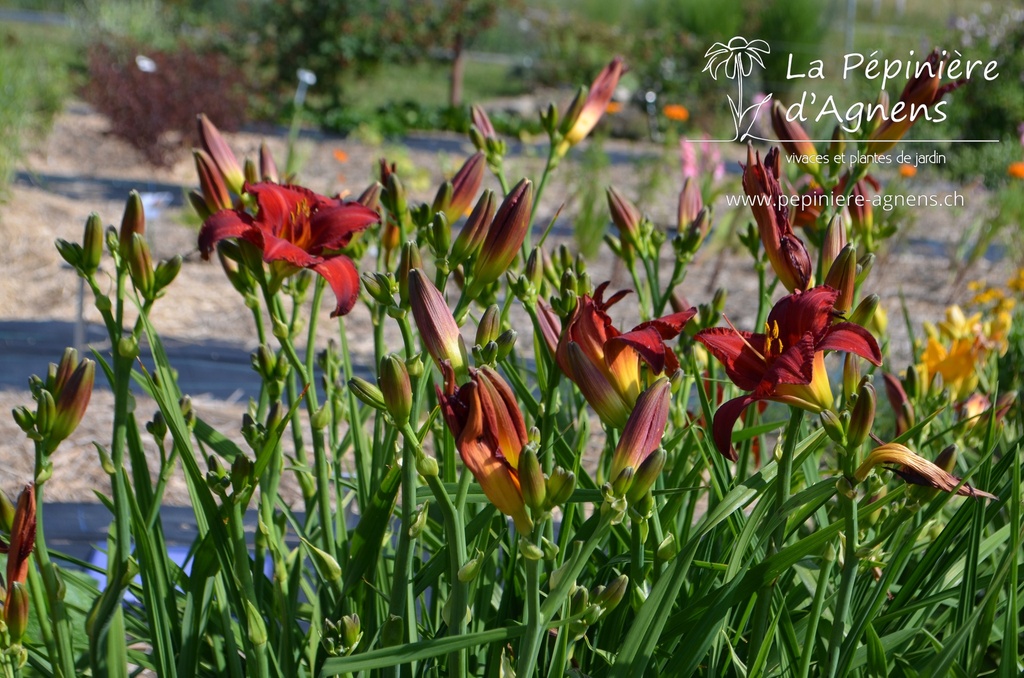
x=514, y=484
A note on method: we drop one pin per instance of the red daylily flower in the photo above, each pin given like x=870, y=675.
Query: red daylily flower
x=489, y=432
x=605, y=363
x=785, y=363
x=296, y=228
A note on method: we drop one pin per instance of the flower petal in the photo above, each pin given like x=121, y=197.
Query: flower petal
x=596, y=388
x=725, y=420
x=335, y=222
x=852, y=338
x=340, y=273
x=794, y=366
x=736, y=350
x=222, y=225
x=803, y=312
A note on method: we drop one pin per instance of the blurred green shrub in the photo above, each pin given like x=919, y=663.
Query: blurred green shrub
x=35, y=80
x=989, y=109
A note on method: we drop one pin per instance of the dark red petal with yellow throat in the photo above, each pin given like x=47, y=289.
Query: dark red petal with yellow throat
x=738, y=352
x=803, y=312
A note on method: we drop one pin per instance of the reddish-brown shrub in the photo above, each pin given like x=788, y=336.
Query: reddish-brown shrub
x=155, y=111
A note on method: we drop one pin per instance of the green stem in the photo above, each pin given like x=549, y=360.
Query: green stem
x=536, y=624
x=783, y=485
x=815, y=614
x=63, y=659
x=403, y=598
x=847, y=581
x=456, y=537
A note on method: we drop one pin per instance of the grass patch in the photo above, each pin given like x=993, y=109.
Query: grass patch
x=36, y=64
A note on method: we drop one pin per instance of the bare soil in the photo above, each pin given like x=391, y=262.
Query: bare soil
x=79, y=162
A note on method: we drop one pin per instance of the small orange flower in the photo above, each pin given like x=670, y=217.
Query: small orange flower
x=613, y=107
x=907, y=171
x=340, y=155
x=1016, y=170
x=676, y=112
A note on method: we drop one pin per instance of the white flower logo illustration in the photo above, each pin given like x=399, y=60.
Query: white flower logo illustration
x=736, y=59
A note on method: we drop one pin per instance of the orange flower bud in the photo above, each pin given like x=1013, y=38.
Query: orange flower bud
x=506, y=234
x=794, y=139
x=435, y=322
x=133, y=221
x=227, y=164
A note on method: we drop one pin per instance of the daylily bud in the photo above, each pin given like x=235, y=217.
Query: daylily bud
x=268, y=168
x=534, y=271
x=841, y=276
x=794, y=139
x=443, y=198
x=370, y=198
x=473, y=232
x=92, y=244
x=133, y=222
x=72, y=401
x=531, y=478
x=490, y=325
x=465, y=185
x=584, y=114
x=140, y=266
x=860, y=210
x=480, y=120
x=901, y=405
x=864, y=266
x=70, y=252
x=165, y=273
x=838, y=145
x=16, y=611
x=351, y=631
x=863, y=416
x=215, y=193
x=24, y=418
x=610, y=596
x=7, y=512
x=426, y=466
x=851, y=375
x=408, y=260
x=865, y=311
x=471, y=569
x=835, y=241
x=833, y=426
x=368, y=393
x=561, y=485
x=644, y=428
x=396, y=388
x=392, y=632
x=626, y=215
x=668, y=548
x=506, y=234
x=646, y=475
x=506, y=341
x=393, y=197
x=690, y=204
x=46, y=413
x=621, y=482
x=438, y=330
x=441, y=235
x=214, y=144
x=380, y=286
